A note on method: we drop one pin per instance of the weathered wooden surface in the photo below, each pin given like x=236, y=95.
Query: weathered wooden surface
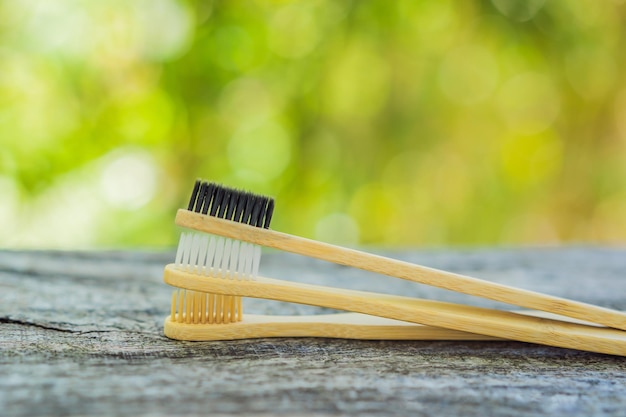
x=81, y=334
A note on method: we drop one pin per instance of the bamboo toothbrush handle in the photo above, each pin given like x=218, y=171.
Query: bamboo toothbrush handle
x=341, y=325
x=464, y=318
x=400, y=269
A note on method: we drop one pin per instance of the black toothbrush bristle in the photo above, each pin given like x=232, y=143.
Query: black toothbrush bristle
x=262, y=206
x=248, y=206
x=225, y=202
x=269, y=213
x=200, y=199
x=256, y=211
x=231, y=204
x=239, y=208
x=218, y=194
x=194, y=195
x=208, y=195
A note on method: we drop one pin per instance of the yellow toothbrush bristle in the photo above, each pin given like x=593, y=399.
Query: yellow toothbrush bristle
x=194, y=307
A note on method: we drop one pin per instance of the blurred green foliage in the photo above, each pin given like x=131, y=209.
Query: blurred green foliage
x=398, y=123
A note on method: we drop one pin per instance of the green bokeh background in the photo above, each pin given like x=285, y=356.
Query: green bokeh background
x=392, y=123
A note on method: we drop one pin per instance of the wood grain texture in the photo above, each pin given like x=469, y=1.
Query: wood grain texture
x=81, y=334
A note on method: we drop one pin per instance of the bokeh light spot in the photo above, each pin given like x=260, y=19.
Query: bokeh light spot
x=528, y=160
x=129, y=179
x=520, y=10
x=294, y=30
x=358, y=85
x=55, y=27
x=260, y=151
x=165, y=28
x=337, y=228
x=33, y=112
x=144, y=117
x=246, y=101
x=590, y=71
x=469, y=74
x=529, y=103
x=428, y=19
x=234, y=48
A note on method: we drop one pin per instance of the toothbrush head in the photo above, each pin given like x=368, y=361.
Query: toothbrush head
x=212, y=255
x=231, y=204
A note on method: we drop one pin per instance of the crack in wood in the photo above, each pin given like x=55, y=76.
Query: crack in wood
x=7, y=320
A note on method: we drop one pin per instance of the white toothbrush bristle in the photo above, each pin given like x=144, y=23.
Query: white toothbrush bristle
x=224, y=263
x=247, y=272
x=234, y=257
x=195, y=247
x=187, y=251
x=202, y=253
x=210, y=255
x=219, y=253
x=217, y=256
x=256, y=260
x=180, y=249
x=241, y=261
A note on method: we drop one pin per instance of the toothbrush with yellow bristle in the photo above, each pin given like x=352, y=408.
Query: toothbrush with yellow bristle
x=200, y=316
x=232, y=214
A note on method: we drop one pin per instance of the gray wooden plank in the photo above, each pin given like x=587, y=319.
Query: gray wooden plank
x=81, y=334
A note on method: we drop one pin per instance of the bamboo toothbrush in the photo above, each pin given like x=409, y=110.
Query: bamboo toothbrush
x=224, y=219
x=196, y=272
x=200, y=316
